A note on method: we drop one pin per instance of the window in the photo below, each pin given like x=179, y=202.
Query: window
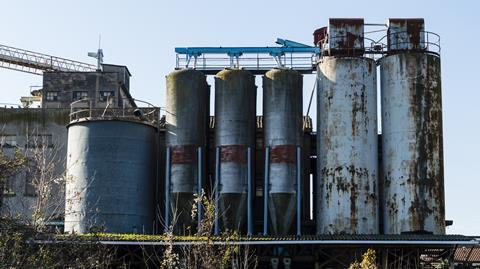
x=52, y=96
x=30, y=175
x=7, y=187
x=79, y=95
x=8, y=141
x=105, y=94
x=39, y=141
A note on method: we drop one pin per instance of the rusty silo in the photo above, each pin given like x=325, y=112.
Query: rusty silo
x=111, y=171
x=412, y=153
x=282, y=126
x=186, y=123
x=347, y=134
x=235, y=124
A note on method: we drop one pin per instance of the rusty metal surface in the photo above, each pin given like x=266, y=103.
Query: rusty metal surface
x=347, y=160
x=282, y=118
x=405, y=34
x=186, y=124
x=412, y=146
x=345, y=36
x=235, y=122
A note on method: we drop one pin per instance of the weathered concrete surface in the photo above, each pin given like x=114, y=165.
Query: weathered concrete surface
x=34, y=130
x=235, y=105
x=111, y=173
x=114, y=79
x=282, y=125
x=347, y=146
x=412, y=146
x=186, y=124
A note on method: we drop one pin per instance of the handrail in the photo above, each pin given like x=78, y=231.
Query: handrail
x=150, y=113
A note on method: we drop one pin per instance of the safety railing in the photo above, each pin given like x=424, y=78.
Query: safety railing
x=258, y=62
x=427, y=41
x=392, y=42
x=83, y=108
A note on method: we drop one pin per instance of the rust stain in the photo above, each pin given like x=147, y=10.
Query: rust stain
x=233, y=153
x=184, y=154
x=413, y=30
x=283, y=154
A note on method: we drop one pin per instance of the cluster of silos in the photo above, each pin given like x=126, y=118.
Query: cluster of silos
x=234, y=134
x=111, y=171
x=111, y=165
x=347, y=151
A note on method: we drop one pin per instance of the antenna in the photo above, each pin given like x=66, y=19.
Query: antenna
x=98, y=55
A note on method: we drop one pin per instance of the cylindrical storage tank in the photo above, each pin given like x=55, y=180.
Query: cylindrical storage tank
x=186, y=123
x=282, y=127
x=412, y=150
x=347, y=146
x=111, y=173
x=235, y=124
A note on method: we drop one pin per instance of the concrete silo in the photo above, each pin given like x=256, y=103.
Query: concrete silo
x=235, y=105
x=347, y=134
x=111, y=172
x=282, y=127
x=412, y=150
x=186, y=123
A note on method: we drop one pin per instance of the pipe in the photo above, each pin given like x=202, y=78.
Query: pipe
x=428, y=243
x=217, y=186
x=167, y=189
x=265, y=194
x=199, y=187
x=298, y=191
x=249, y=192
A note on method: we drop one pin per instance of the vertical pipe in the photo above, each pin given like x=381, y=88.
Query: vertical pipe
x=298, y=190
x=199, y=187
x=217, y=186
x=265, y=190
x=167, y=189
x=249, y=192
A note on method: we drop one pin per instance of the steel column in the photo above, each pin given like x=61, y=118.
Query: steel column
x=249, y=192
x=265, y=190
x=167, y=189
x=199, y=187
x=299, y=177
x=217, y=186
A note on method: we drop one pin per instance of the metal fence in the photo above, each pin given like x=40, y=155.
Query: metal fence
x=81, y=109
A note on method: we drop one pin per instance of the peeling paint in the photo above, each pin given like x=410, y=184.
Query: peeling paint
x=347, y=146
x=412, y=143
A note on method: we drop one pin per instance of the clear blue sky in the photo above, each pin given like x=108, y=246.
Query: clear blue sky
x=143, y=34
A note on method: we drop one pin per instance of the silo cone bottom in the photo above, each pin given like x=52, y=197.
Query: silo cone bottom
x=232, y=212
x=181, y=212
x=281, y=209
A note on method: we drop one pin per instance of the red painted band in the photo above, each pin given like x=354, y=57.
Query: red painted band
x=282, y=154
x=183, y=154
x=233, y=153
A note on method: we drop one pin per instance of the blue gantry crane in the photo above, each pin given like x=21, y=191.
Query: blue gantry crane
x=258, y=60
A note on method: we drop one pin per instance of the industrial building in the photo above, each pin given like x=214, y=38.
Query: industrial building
x=136, y=169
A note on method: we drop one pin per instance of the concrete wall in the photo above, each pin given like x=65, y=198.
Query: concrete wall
x=65, y=84
x=27, y=129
